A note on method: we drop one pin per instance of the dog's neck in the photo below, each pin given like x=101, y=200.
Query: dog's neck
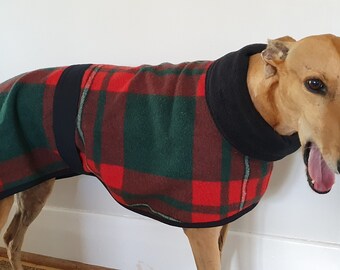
x=266, y=97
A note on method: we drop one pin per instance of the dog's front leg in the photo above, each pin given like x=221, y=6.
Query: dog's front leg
x=30, y=202
x=206, y=245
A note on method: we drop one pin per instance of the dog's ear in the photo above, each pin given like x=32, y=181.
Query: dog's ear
x=275, y=53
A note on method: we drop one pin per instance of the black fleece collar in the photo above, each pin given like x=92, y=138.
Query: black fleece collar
x=234, y=113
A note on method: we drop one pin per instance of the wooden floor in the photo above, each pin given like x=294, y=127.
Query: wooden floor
x=38, y=262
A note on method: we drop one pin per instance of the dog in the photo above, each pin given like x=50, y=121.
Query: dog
x=242, y=112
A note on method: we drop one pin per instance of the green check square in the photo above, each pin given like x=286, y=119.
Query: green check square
x=158, y=135
x=21, y=118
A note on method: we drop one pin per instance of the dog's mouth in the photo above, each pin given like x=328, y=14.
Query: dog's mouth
x=320, y=177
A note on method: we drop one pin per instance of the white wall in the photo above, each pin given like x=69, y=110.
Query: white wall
x=293, y=228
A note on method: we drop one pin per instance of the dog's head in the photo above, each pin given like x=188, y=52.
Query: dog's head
x=306, y=78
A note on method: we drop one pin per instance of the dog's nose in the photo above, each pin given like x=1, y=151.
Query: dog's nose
x=338, y=166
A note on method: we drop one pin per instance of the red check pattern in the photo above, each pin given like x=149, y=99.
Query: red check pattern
x=147, y=134
x=212, y=190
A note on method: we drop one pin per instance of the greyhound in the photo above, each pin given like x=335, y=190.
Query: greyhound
x=294, y=86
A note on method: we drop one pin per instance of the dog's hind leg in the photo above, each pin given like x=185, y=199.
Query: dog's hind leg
x=30, y=202
x=206, y=245
x=5, y=207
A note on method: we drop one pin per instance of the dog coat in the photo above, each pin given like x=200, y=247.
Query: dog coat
x=172, y=142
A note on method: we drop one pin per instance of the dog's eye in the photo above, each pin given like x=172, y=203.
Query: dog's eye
x=316, y=86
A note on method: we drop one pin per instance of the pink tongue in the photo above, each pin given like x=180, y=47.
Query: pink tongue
x=319, y=171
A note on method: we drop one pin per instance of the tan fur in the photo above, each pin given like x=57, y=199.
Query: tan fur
x=206, y=245
x=275, y=81
x=29, y=205
x=283, y=101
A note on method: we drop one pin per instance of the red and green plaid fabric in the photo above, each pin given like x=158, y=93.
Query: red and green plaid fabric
x=145, y=132
x=28, y=153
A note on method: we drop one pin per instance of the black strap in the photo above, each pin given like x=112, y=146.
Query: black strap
x=65, y=109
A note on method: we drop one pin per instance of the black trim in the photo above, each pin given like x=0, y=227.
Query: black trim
x=58, y=175
x=192, y=225
x=65, y=109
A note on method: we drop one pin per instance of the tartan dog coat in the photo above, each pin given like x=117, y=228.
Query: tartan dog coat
x=160, y=138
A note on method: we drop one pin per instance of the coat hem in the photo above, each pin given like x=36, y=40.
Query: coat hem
x=20, y=188
x=221, y=222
